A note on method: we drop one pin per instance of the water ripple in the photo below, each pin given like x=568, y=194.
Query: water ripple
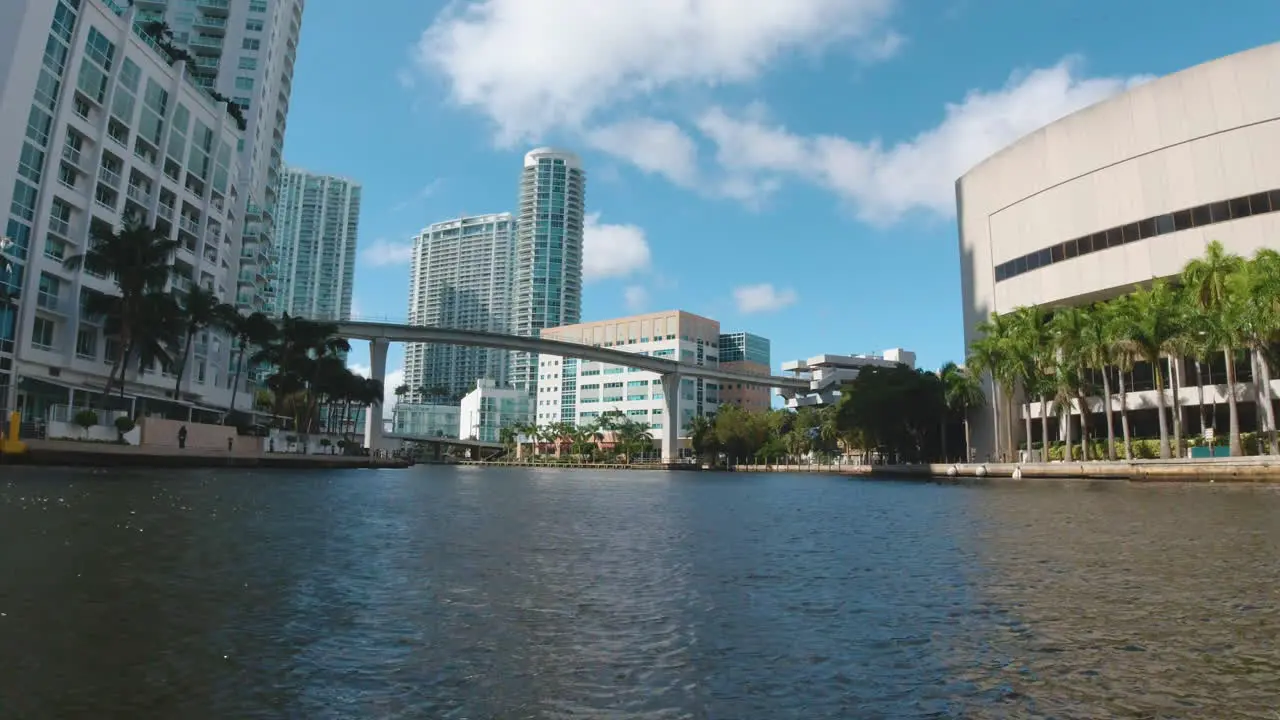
x=466, y=593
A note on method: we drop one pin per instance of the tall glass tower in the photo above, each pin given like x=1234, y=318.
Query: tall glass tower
x=547, y=281
x=319, y=216
x=459, y=278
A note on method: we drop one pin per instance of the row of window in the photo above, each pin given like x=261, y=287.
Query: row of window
x=1201, y=215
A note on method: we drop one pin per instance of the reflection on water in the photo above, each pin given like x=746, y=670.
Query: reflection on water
x=466, y=593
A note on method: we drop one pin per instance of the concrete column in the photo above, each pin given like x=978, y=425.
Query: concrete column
x=671, y=421
x=373, y=414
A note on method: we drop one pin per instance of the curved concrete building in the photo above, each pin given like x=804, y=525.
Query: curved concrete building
x=1121, y=192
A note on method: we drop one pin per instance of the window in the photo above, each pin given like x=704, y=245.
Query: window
x=244, y=83
x=87, y=342
x=24, y=201
x=38, y=125
x=251, y=44
x=30, y=163
x=47, y=86
x=92, y=81
x=54, y=248
x=55, y=56
x=42, y=334
x=64, y=21
x=248, y=63
x=98, y=47
x=130, y=75
x=253, y=25
x=258, y=6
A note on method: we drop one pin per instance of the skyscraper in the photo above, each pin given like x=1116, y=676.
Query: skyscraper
x=100, y=124
x=244, y=50
x=547, y=284
x=459, y=277
x=748, y=353
x=316, y=245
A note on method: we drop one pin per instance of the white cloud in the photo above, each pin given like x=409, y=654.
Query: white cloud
x=394, y=379
x=384, y=252
x=762, y=298
x=654, y=146
x=612, y=251
x=884, y=183
x=536, y=66
x=636, y=297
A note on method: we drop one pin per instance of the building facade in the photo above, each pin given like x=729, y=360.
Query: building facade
x=745, y=352
x=97, y=126
x=1120, y=193
x=460, y=278
x=827, y=373
x=319, y=218
x=547, y=279
x=245, y=51
x=425, y=420
x=579, y=392
x=485, y=411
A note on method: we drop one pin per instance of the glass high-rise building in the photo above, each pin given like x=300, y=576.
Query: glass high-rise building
x=318, y=218
x=547, y=283
x=460, y=278
x=744, y=346
x=244, y=50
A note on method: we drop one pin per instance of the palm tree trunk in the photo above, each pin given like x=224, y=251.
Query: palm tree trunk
x=1124, y=418
x=1175, y=384
x=1084, y=421
x=1233, y=412
x=968, y=443
x=1106, y=406
x=1200, y=382
x=235, y=384
x=182, y=365
x=1067, y=450
x=1264, y=399
x=1161, y=404
x=1026, y=418
x=1044, y=429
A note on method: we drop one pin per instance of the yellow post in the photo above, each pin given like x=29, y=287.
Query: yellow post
x=11, y=445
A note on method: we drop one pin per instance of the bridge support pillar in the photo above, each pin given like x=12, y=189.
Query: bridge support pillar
x=373, y=414
x=671, y=419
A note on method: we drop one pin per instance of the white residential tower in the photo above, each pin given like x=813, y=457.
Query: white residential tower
x=318, y=217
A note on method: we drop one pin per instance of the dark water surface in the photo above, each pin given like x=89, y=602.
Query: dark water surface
x=467, y=593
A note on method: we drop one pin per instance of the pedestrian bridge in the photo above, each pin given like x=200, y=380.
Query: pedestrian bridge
x=381, y=333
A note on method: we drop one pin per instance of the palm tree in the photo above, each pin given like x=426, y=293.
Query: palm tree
x=1098, y=353
x=990, y=354
x=294, y=350
x=1070, y=327
x=1208, y=280
x=255, y=329
x=963, y=393
x=1148, y=322
x=200, y=309
x=139, y=257
x=401, y=391
x=1123, y=353
x=1028, y=345
x=1259, y=285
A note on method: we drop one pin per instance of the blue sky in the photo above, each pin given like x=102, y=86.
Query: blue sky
x=784, y=167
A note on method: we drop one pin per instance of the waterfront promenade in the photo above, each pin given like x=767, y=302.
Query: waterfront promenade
x=70, y=453
x=1254, y=468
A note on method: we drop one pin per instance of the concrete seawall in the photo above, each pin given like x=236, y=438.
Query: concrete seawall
x=1262, y=469
x=103, y=455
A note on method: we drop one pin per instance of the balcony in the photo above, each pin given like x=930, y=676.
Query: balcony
x=166, y=211
x=214, y=7
x=205, y=44
x=191, y=226
x=47, y=301
x=138, y=195
x=60, y=227
x=110, y=177
x=71, y=155
x=208, y=23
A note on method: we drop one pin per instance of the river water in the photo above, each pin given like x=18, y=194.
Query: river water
x=494, y=593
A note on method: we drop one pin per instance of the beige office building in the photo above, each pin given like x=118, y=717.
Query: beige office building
x=1119, y=193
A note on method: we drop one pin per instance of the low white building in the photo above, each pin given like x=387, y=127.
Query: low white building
x=579, y=392
x=826, y=373
x=426, y=420
x=488, y=409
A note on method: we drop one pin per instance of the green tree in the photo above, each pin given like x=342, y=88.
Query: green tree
x=962, y=393
x=1069, y=327
x=199, y=310
x=140, y=259
x=1148, y=322
x=1209, y=282
x=1097, y=351
x=991, y=354
x=253, y=330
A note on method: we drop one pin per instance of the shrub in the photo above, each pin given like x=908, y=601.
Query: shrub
x=124, y=424
x=86, y=419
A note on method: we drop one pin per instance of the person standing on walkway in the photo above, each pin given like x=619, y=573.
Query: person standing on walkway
x=182, y=437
